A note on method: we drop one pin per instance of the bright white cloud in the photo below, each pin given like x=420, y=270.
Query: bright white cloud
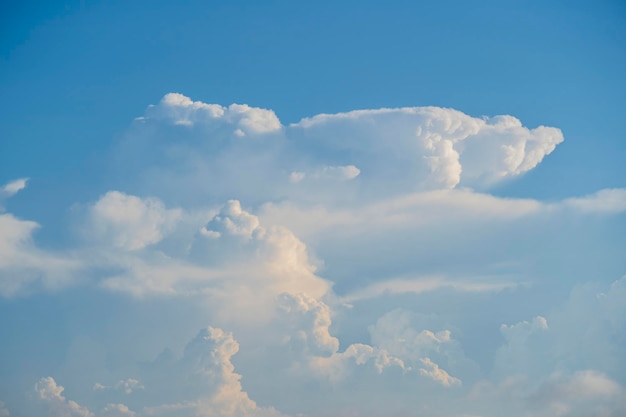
x=324, y=245
x=12, y=188
x=245, y=152
x=181, y=110
x=57, y=405
x=455, y=148
x=129, y=222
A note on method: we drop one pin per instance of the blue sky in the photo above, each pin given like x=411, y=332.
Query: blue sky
x=475, y=258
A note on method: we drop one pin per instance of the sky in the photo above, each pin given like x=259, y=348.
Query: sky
x=320, y=209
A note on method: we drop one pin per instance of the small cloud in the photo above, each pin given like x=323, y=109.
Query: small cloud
x=433, y=371
x=604, y=201
x=10, y=189
x=296, y=177
x=127, y=386
x=13, y=187
x=422, y=285
x=342, y=173
x=328, y=173
x=51, y=394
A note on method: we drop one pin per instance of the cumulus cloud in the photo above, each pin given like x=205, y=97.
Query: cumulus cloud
x=396, y=333
x=437, y=374
x=342, y=365
x=207, y=373
x=452, y=146
x=232, y=259
x=577, y=335
x=181, y=110
x=246, y=151
x=517, y=354
x=305, y=324
x=129, y=222
x=204, y=382
x=323, y=245
x=563, y=364
x=309, y=323
x=51, y=395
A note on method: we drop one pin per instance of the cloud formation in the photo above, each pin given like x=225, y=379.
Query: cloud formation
x=381, y=152
x=343, y=255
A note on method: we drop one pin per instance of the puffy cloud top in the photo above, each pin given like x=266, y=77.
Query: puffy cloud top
x=181, y=110
x=130, y=222
x=188, y=147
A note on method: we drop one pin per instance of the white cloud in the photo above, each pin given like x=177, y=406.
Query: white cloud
x=437, y=374
x=243, y=151
x=129, y=222
x=455, y=147
x=603, y=201
x=342, y=365
x=204, y=380
x=11, y=188
x=370, y=208
x=181, y=110
x=232, y=220
x=57, y=405
x=127, y=386
x=23, y=265
x=396, y=333
x=418, y=286
x=309, y=323
x=241, y=265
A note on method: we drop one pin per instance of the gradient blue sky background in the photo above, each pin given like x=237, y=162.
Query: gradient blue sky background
x=74, y=75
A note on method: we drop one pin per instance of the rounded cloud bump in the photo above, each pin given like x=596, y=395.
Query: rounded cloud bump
x=245, y=151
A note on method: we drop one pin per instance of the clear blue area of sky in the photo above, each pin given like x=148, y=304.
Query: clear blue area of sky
x=73, y=74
